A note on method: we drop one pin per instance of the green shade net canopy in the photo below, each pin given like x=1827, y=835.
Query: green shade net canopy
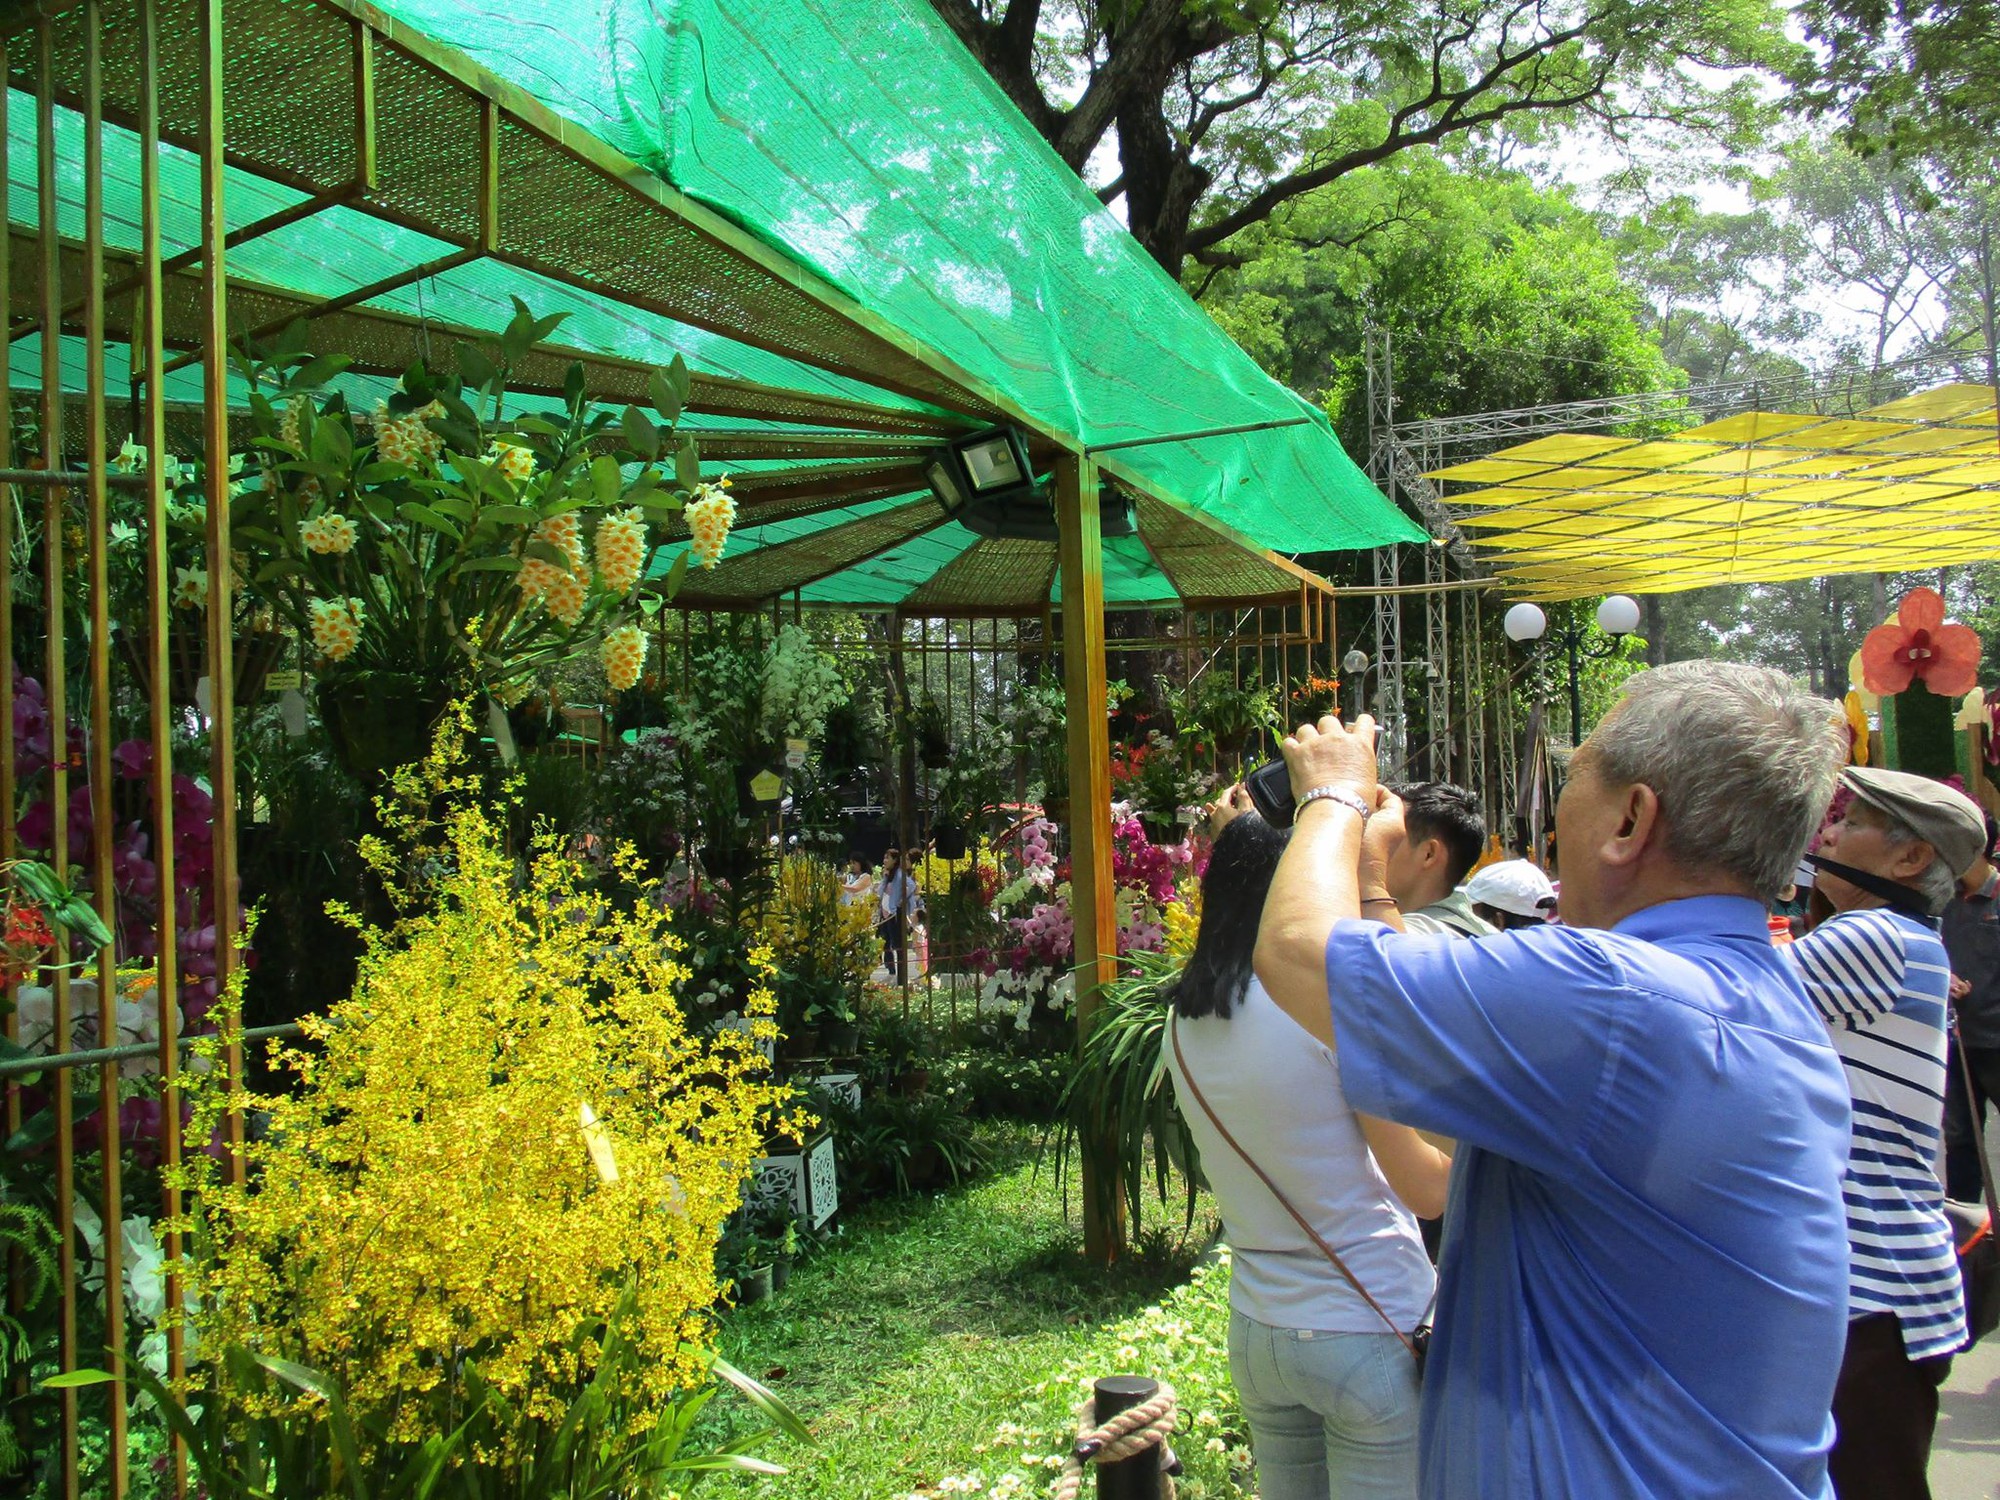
x=859, y=138
x=822, y=205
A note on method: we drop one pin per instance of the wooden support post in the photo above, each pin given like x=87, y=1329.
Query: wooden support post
x=1092, y=897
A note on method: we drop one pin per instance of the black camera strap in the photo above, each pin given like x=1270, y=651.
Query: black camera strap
x=1900, y=897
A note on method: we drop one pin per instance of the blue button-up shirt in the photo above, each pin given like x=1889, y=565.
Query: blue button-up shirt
x=1644, y=1277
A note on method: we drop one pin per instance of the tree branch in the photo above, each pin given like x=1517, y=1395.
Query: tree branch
x=1456, y=117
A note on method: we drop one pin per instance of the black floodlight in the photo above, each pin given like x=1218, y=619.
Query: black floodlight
x=986, y=483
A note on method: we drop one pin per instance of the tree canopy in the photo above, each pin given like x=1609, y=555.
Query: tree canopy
x=1493, y=294
x=1223, y=111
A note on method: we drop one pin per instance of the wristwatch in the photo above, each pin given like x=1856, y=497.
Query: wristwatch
x=1341, y=793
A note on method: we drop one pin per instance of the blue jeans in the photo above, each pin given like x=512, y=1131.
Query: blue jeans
x=1333, y=1416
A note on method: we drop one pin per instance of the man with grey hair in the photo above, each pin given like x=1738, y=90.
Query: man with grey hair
x=1878, y=974
x=1644, y=1279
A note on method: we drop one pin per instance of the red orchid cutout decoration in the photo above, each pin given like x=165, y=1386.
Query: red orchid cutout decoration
x=1919, y=647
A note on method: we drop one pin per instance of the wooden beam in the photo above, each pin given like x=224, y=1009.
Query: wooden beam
x=1092, y=896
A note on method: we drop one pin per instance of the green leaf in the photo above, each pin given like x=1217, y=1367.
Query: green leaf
x=450, y=505
x=543, y=327
x=681, y=379
x=491, y=564
x=547, y=552
x=475, y=367
x=766, y=1401
x=317, y=372
x=409, y=510
x=511, y=515
x=641, y=435
x=687, y=464
x=539, y=426
x=666, y=401
x=331, y=446
x=76, y=1379
x=574, y=386
x=607, y=479
x=677, y=574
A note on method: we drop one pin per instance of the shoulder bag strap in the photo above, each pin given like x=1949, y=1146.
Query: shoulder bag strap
x=1311, y=1233
x=1978, y=1125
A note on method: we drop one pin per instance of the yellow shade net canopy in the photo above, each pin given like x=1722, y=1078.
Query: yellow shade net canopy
x=1758, y=497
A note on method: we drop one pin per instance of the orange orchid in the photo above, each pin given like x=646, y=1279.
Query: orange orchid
x=1919, y=647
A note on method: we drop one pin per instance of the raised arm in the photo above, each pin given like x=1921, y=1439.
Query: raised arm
x=1319, y=879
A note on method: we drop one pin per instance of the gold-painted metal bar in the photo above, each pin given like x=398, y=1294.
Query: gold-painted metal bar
x=365, y=173
x=221, y=633
x=489, y=177
x=332, y=304
x=11, y=1106
x=97, y=536
x=243, y=234
x=151, y=415
x=56, y=688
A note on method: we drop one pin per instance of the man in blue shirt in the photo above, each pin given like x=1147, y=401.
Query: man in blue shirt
x=1644, y=1281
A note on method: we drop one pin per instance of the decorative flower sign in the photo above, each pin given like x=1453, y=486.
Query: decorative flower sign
x=1919, y=647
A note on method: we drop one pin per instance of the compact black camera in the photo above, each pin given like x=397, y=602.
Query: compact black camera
x=1270, y=789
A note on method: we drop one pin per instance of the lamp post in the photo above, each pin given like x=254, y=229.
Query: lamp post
x=1617, y=617
x=1354, y=666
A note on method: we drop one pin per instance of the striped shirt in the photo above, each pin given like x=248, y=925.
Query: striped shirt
x=1880, y=981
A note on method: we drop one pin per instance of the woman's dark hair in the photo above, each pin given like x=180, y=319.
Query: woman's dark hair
x=1232, y=903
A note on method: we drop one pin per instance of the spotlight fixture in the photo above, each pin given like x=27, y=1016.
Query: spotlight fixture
x=986, y=483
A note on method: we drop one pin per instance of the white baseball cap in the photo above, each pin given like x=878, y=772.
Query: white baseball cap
x=1513, y=885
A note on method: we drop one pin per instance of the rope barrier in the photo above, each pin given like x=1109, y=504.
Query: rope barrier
x=1127, y=1435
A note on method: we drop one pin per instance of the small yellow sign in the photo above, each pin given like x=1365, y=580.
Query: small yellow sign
x=765, y=786
x=279, y=682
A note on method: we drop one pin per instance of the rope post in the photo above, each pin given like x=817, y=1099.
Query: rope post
x=1144, y=1475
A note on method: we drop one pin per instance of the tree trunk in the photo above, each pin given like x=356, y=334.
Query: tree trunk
x=1161, y=186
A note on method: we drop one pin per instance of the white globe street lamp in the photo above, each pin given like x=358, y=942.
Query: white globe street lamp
x=1524, y=623
x=1617, y=616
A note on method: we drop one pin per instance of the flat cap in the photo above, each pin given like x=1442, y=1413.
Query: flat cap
x=1946, y=819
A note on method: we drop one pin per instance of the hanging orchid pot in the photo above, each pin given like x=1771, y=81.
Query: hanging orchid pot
x=380, y=720
x=949, y=841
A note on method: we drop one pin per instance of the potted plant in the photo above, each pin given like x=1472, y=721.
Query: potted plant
x=832, y=1015
x=927, y=728
x=1164, y=785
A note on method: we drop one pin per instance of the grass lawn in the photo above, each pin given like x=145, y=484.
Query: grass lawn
x=932, y=1321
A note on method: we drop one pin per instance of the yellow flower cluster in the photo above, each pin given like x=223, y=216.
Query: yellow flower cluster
x=408, y=439
x=935, y=875
x=621, y=548
x=709, y=515
x=504, y=1131
x=328, y=533
x=565, y=597
x=512, y=459
x=336, y=627
x=565, y=534
x=288, y=423
x=1182, y=919
x=624, y=653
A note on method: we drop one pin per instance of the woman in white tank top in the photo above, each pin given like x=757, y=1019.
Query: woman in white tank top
x=1329, y=1388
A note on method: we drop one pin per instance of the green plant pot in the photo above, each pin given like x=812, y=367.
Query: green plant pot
x=781, y=1274
x=949, y=841
x=840, y=1038
x=753, y=1286
x=380, y=720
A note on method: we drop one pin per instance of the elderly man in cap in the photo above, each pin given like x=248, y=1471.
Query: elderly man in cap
x=1877, y=973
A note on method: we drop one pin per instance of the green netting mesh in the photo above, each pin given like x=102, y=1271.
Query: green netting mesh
x=340, y=248
x=859, y=138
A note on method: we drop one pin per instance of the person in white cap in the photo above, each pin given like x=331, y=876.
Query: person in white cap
x=1511, y=893
x=1878, y=974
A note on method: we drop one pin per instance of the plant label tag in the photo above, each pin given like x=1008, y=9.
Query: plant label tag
x=795, y=754
x=765, y=786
